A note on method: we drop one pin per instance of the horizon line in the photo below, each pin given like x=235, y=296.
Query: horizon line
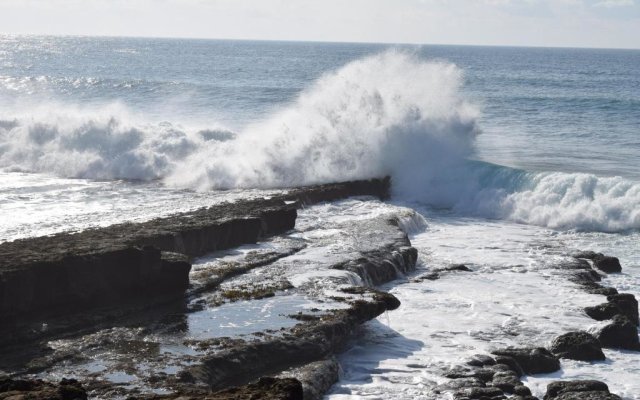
x=309, y=41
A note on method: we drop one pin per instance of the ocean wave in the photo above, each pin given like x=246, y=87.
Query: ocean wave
x=387, y=114
x=373, y=117
x=558, y=200
x=97, y=144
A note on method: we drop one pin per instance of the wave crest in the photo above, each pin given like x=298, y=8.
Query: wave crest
x=377, y=116
x=97, y=144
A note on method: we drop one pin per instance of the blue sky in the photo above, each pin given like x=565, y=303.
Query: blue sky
x=574, y=23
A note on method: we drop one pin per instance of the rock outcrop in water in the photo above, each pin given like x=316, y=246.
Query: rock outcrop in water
x=119, y=263
x=21, y=389
x=536, y=360
x=579, y=390
x=308, y=343
x=620, y=334
x=577, y=346
x=150, y=262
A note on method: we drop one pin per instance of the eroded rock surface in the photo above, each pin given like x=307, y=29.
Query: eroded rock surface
x=574, y=390
x=577, y=346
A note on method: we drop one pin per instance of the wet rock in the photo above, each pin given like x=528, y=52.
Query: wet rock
x=511, y=363
x=573, y=390
x=620, y=333
x=588, y=254
x=522, y=390
x=312, y=341
x=507, y=381
x=576, y=264
x=460, y=383
x=603, y=311
x=266, y=388
x=383, y=265
x=627, y=304
x=588, y=396
x=432, y=276
x=308, y=195
x=481, y=360
x=532, y=360
x=480, y=393
x=80, y=281
x=316, y=377
x=607, y=264
x=577, y=346
x=66, y=389
x=585, y=277
x=456, y=267
x=618, y=304
x=110, y=265
x=596, y=288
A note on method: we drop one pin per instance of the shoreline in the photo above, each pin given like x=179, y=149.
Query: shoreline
x=295, y=362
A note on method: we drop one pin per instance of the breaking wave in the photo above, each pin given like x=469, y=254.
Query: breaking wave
x=373, y=117
x=388, y=114
x=97, y=144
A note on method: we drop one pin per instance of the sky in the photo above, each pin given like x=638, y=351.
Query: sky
x=561, y=23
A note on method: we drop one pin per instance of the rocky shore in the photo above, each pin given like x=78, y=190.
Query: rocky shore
x=81, y=286
x=48, y=275
x=124, y=311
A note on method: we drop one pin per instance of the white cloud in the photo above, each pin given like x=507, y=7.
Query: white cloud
x=573, y=23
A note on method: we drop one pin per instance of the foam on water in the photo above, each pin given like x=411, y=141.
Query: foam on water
x=104, y=143
x=514, y=296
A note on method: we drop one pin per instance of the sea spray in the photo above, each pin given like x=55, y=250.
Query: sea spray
x=388, y=114
x=381, y=115
x=96, y=143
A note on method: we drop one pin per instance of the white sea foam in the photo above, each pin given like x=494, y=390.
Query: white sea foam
x=105, y=143
x=381, y=115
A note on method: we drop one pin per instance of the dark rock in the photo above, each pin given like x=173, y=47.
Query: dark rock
x=577, y=346
x=107, y=266
x=589, y=255
x=310, y=342
x=316, y=377
x=588, y=396
x=620, y=333
x=522, y=390
x=576, y=263
x=480, y=393
x=432, y=276
x=532, y=360
x=66, y=389
x=511, y=363
x=81, y=281
x=585, y=277
x=460, y=383
x=627, y=304
x=381, y=266
x=481, y=360
x=607, y=264
x=596, y=288
x=569, y=390
x=266, y=388
x=603, y=311
x=507, y=381
x=456, y=267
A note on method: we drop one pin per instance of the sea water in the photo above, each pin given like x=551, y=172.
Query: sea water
x=514, y=156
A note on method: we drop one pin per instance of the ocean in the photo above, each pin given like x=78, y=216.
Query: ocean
x=514, y=157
